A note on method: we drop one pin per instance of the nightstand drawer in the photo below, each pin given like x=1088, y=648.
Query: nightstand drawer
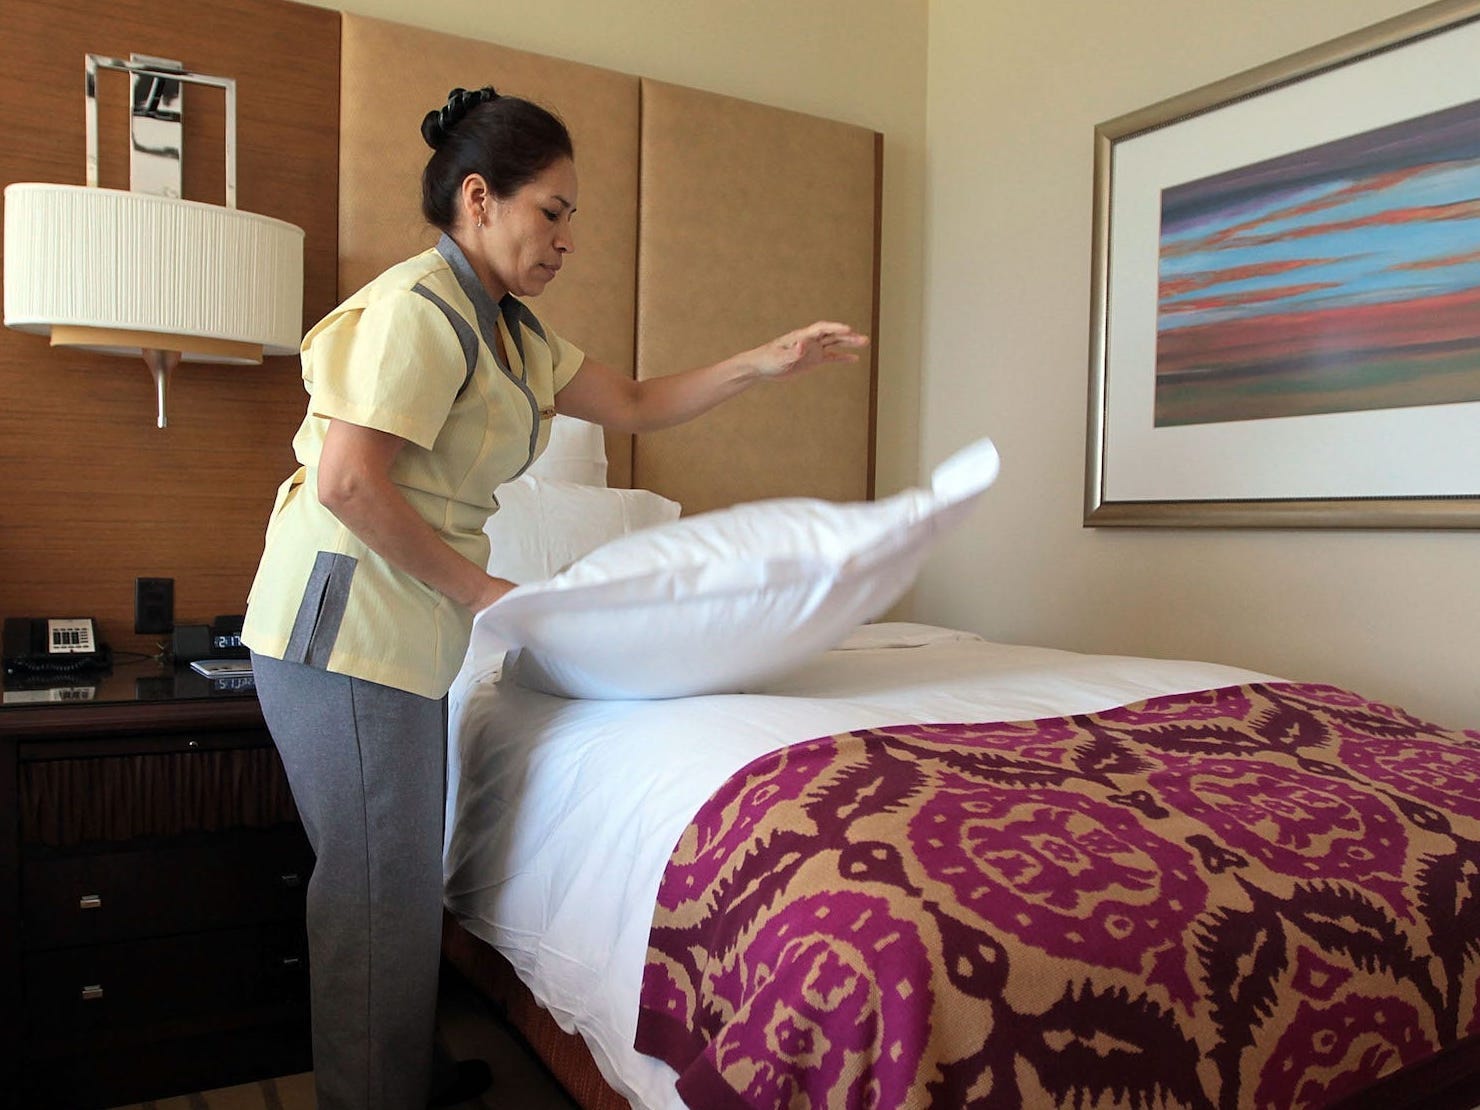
x=190, y=883
x=72, y=794
x=76, y=991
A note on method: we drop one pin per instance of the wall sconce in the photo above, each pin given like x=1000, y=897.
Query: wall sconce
x=143, y=272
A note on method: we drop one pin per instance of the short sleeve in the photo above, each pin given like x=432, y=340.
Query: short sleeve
x=395, y=365
x=565, y=359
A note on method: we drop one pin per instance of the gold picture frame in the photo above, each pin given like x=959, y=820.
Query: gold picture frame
x=1221, y=460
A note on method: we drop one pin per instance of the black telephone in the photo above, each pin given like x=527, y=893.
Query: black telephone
x=53, y=646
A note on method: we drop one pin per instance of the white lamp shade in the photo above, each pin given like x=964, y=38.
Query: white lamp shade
x=208, y=276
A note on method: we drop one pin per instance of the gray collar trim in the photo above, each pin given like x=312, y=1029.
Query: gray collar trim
x=484, y=306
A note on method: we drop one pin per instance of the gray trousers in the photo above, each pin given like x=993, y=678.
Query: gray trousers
x=368, y=768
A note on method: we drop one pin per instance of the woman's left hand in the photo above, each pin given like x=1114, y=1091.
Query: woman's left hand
x=807, y=347
x=617, y=401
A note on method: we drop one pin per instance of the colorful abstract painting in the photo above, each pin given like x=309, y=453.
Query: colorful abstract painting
x=1339, y=278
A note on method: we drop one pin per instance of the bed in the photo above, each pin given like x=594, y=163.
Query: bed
x=919, y=868
x=565, y=816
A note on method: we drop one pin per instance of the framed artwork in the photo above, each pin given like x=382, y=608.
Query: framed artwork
x=1286, y=295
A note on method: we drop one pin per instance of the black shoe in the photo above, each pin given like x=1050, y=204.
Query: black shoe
x=470, y=1078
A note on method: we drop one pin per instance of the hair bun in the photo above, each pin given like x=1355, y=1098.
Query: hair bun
x=437, y=124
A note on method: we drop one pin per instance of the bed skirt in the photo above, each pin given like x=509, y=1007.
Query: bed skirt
x=565, y=1054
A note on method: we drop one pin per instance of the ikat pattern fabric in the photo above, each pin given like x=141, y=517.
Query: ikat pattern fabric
x=1258, y=896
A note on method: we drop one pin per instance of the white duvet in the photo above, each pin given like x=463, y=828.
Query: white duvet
x=562, y=814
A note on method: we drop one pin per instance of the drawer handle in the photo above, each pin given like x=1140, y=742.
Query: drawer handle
x=292, y=880
x=192, y=744
x=92, y=993
x=291, y=961
x=90, y=902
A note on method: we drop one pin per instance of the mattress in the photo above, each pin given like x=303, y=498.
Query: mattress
x=562, y=815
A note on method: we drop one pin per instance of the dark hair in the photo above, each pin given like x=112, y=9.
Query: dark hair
x=508, y=140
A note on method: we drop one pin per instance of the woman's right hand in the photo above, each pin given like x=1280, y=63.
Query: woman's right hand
x=493, y=589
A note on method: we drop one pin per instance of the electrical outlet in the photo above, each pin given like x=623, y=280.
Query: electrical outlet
x=154, y=605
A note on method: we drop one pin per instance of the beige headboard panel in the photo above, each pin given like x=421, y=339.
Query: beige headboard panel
x=391, y=75
x=754, y=220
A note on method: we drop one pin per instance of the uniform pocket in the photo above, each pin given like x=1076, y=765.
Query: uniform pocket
x=325, y=598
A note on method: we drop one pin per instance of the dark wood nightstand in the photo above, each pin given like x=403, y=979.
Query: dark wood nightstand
x=152, y=880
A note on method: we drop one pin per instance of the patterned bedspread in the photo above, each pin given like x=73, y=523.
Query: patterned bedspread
x=1259, y=896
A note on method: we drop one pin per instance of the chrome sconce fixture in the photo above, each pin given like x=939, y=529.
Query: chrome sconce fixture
x=143, y=271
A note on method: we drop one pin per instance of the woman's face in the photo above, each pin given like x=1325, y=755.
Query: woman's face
x=526, y=237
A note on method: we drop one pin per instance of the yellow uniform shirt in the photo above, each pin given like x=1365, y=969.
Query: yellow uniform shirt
x=414, y=354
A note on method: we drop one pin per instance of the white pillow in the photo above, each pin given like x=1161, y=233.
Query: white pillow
x=543, y=524
x=721, y=601
x=575, y=452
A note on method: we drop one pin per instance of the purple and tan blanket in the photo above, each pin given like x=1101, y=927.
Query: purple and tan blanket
x=1259, y=896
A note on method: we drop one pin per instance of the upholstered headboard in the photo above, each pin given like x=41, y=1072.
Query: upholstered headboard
x=707, y=225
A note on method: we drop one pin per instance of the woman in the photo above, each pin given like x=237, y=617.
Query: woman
x=428, y=388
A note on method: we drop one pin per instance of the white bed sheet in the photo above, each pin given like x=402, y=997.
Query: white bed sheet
x=562, y=814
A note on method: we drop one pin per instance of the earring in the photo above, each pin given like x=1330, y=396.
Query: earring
x=480, y=218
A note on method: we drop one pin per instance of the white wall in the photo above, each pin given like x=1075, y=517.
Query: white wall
x=860, y=61
x=1015, y=89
